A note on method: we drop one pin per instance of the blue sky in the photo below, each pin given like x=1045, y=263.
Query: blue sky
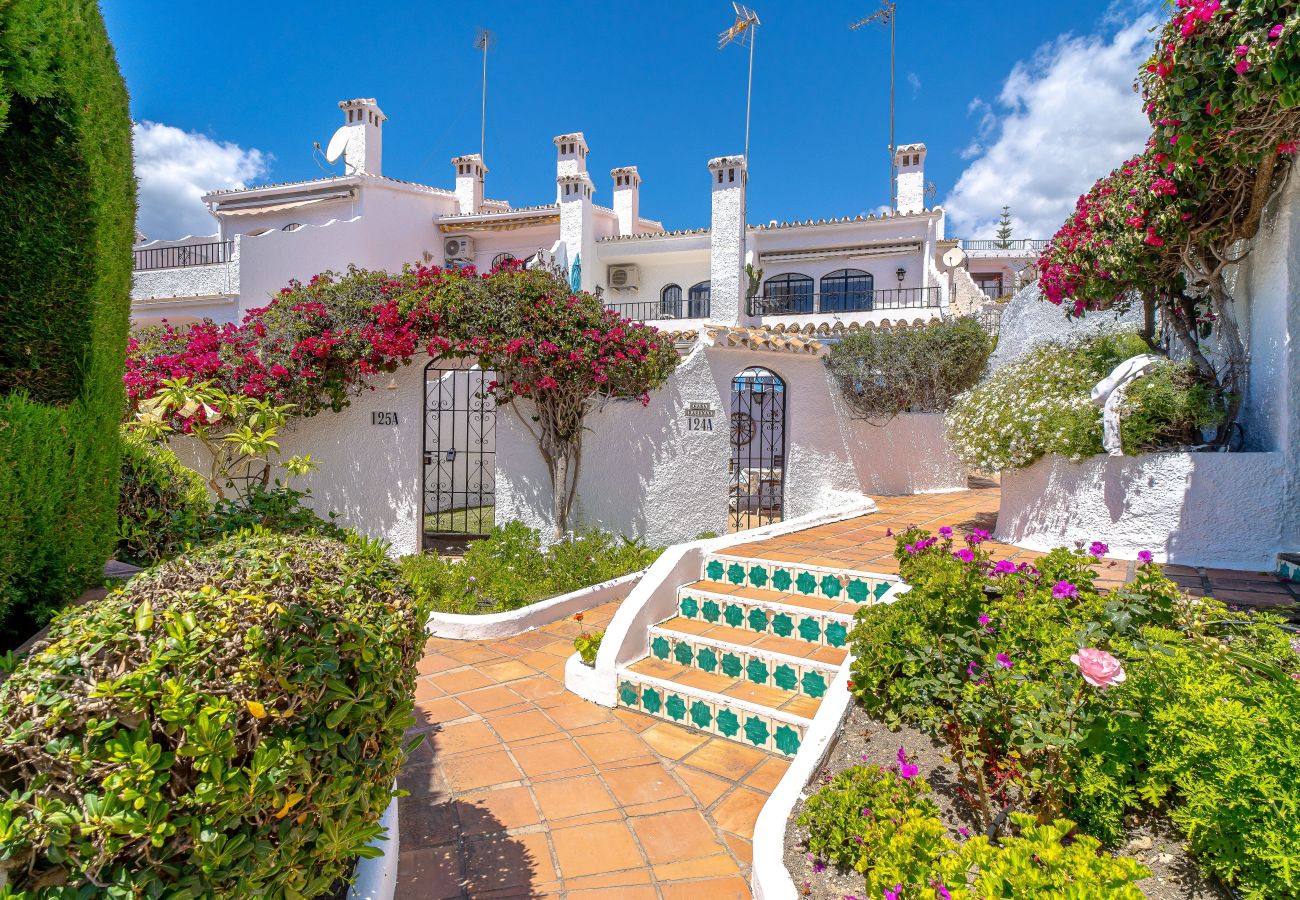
x=1019, y=102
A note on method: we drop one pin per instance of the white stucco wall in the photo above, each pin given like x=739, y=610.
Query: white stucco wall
x=1029, y=319
x=1201, y=509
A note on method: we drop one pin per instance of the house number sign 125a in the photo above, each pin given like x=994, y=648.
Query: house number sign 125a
x=699, y=417
x=383, y=418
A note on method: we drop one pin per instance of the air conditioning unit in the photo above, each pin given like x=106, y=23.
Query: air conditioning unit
x=624, y=277
x=459, y=249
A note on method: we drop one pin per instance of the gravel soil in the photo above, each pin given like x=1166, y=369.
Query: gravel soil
x=864, y=740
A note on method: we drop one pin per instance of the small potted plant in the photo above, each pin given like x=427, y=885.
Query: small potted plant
x=587, y=643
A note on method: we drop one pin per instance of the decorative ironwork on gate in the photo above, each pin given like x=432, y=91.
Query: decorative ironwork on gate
x=757, y=448
x=459, y=453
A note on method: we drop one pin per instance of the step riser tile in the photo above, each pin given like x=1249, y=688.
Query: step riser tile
x=809, y=581
x=1288, y=570
x=737, y=612
x=712, y=717
x=742, y=662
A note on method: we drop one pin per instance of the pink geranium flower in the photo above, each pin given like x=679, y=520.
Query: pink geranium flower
x=906, y=770
x=1098, y=549
x=964, y=554
x=1098, y=667
x=1145, y=557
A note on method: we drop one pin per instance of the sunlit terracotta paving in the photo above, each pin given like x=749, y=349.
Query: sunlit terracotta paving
x=524, y=790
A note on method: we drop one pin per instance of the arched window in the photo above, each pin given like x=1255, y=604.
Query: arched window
x=847, y=290
x=698, y=301
x=789, y=293
x=292, y=226
x=502, y=258
x=670, y=302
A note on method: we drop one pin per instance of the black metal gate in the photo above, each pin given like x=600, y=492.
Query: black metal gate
x=460, y=423
x=757, y=449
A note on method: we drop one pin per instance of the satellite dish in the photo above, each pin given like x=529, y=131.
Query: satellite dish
x=338, y=144
x=952, y=259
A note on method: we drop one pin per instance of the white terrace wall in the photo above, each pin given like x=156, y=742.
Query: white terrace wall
x=644, y=473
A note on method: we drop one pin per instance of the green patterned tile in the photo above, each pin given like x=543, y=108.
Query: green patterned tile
x=701, y=714
x=736, y=573
x=781, y=580
x=731, y=665
x=858, y=590
x=810, y=629
x=675, y=707
x=831, y=586
x=660, y=647
x=733, y=615
x=712, y=612
x=629, y=695
x=786, y=740
x=782, y=625
x=814, y=683
x=650, y=700
x=757, y=576
x=756, y=731
x=784, y=677
x=836, y=633
x=756, y=671
x=806, y=583
x=757, y=619
x=714, y=570
x=706, y=659
x=683, y=653
x=882, y=588
x=690, y=606
x=728, y=724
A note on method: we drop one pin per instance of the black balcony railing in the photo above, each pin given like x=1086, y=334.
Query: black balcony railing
x=181, y=255
x=796, y=303
x=1031, y=244
x=658, y=310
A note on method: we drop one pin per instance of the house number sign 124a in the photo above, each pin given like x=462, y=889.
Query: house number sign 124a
x=383, y=418
x=699, y=417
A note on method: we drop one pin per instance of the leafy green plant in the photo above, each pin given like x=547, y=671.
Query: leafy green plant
x=67, y=214
x=279, y=508
x=1041, y=404
x=510, y=569
x=164, y=503
x=228, y=725
x=852, y=819
x=890, y=371
x=588, y=644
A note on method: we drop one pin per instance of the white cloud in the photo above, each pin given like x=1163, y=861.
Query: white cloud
x=1064, y=118
x=915, y=81
x=175, y=168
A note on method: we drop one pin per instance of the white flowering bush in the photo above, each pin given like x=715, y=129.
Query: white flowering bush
x=1038, y=405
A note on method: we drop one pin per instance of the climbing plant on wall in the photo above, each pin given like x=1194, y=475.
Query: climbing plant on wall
x=67, y=207
x=556, y=354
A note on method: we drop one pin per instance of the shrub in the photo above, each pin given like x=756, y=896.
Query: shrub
x=890, y=371
x=229, y=725
x=67, y=205
x=164, y=503
x=1041, y=404
x=588, y=645
x=510, y=569
x=852, y=819
x=1057, y=698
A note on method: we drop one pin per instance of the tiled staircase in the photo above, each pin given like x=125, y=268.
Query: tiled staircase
x=752, y=649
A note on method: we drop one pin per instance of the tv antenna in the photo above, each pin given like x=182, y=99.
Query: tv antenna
x=483, y=41
x=887, y=15
x=742, y=32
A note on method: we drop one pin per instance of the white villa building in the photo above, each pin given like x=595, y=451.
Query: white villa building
x=820, y=280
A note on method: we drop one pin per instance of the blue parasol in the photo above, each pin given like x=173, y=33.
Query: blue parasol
x=575, y=274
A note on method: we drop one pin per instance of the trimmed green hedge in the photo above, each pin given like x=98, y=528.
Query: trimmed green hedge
x=164, y=503
x=67, y=209
x=227, y=725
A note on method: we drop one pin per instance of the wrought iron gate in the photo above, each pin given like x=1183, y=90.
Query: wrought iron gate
x=757, y=449
x=459, y=453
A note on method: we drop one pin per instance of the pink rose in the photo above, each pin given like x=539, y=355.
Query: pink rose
x=1098, y=667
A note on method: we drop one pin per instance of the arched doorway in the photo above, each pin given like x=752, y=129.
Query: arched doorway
x=757, y=495
x=459, y=483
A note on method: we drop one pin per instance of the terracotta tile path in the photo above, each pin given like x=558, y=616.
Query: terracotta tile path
x=524, y=790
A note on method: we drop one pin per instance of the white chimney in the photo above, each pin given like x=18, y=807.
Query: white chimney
x=627, y=198
x=363, y=121
x=727, y=240
x=910, y=159
x=571, y=156
x=470, y=172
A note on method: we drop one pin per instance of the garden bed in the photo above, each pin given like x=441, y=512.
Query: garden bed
x=865, y=740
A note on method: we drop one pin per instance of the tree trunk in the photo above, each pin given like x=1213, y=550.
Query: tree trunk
x=559, y=469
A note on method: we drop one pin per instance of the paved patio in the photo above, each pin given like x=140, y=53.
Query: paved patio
x=525, y=791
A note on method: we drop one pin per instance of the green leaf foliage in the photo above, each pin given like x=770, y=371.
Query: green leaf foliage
x=227, y=725
x=163, y=504
x=67, y=210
